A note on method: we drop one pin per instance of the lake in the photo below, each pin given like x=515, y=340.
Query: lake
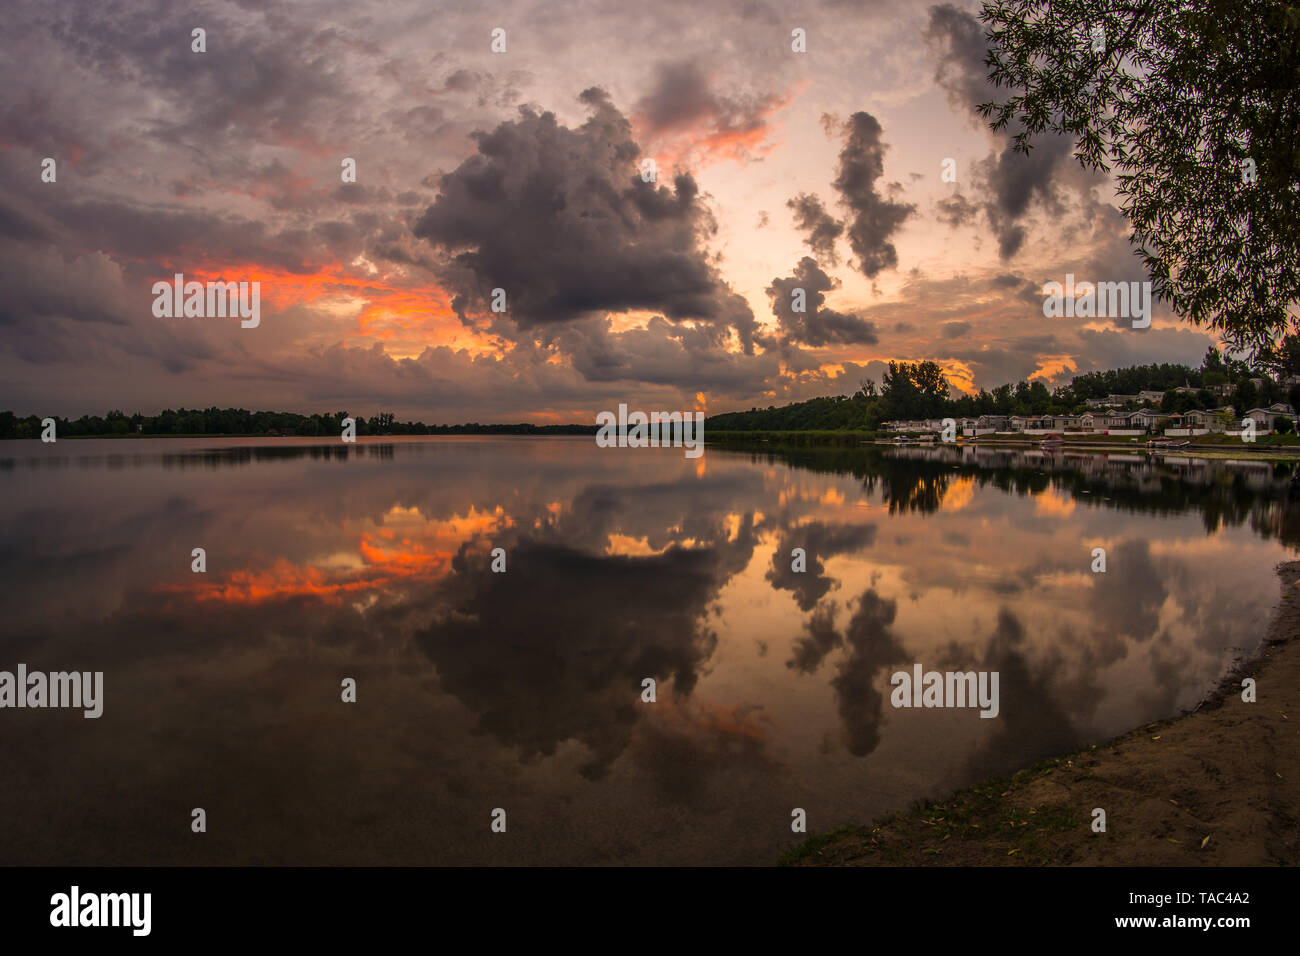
x=522, y=689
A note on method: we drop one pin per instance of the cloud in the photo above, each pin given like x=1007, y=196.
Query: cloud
x=1013, y=180
x=817, y=326
x=957, y=210
x=1009, y=181
x=684, y=117
x=821, y=227
x=872, y=219
x=561, y=220
x=663, y=353
x=959, y=40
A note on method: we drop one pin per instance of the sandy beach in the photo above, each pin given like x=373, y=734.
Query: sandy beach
x=1218, y=786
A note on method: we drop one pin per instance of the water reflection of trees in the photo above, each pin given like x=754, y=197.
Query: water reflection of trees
x=1225, y=493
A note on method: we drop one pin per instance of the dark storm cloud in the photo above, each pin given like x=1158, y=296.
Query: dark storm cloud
x=663, y=353
x=817, y=326
x=1111, y=257
x=681, y=96
x=872, y=217
x=995, y=366
x=1009, y=280
x=822, y=229
x=1014, y=180
x=38, y=288
x=684, y=98
x=161, y=234
x=462, y=81
x=959, y=38
x=15, y=224
x=264, y=75
x=954, y=330
x=561, y=220
x=1010, y=180
x=1026, y=289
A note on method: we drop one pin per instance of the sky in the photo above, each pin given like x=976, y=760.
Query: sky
x=525, y=169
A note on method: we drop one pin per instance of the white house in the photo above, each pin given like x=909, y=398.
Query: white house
x=1144, y=418
x=1116, y=420
x=1266, y=418
x=1113, y=401
x=1212, y=420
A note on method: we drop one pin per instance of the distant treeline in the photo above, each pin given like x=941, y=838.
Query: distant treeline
x=239, y=421
x=907, y=391
x=916, y=391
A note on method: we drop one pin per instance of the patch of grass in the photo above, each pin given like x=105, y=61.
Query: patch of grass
x=810, y=846
x=984, y=813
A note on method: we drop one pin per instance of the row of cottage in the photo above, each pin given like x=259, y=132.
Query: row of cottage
x=1142, y=421
x=1154, y=396
x=1151, y=396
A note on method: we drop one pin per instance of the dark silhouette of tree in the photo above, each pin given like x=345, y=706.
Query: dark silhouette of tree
x=1196, y=105
x=1283, y=359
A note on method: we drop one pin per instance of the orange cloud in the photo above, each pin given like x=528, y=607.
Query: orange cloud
x=1050, y=366
x=716, y=137
x=406, y=318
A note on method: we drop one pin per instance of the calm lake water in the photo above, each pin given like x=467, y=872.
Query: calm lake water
x=522, y=690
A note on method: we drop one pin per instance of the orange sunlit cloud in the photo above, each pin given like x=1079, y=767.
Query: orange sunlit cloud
x=715, y=139
x=960, y=376
x=406, y=318
x=1050, y=366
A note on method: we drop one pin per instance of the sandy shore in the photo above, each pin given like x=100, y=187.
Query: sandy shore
x=1219, y=786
